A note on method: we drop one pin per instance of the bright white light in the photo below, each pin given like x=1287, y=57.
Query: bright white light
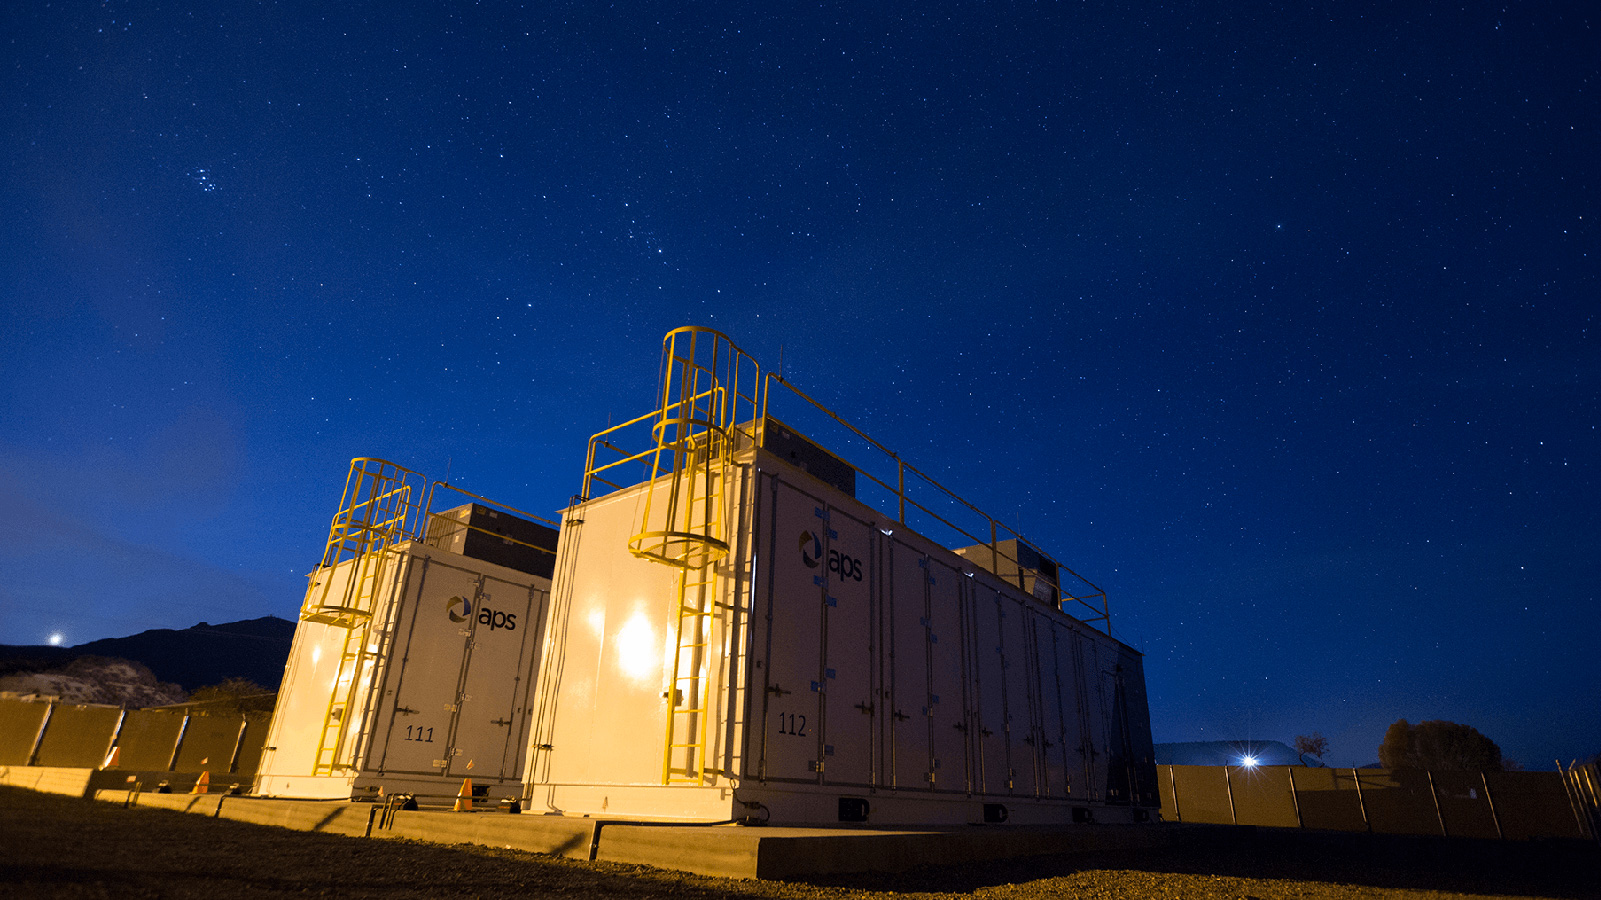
x=1248, y=761
x=638, y=658
x=56, y=638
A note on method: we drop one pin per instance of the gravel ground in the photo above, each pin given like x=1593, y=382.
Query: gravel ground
x=53, y=846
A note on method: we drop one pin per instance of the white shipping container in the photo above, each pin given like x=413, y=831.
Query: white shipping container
x=849, y=669
x=433, y=691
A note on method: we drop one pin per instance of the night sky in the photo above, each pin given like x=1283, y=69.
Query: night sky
x=1278, y=322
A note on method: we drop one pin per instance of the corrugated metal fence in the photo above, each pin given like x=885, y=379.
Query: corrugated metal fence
x=65, y=735
x=1494, y=805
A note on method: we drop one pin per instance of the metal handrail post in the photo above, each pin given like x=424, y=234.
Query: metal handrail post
x=900, y=465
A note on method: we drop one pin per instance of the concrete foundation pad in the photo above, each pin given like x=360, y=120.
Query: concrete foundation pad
x=329, y=816
x=744, y=852
x=731, y=851
x=553, y=835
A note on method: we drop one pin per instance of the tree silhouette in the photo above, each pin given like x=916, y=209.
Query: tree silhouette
x=1314, y=744
x=1438, y=745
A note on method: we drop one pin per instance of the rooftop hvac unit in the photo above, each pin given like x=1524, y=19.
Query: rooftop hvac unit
x=734, y=635
x=410, y=666
x=1016, y=563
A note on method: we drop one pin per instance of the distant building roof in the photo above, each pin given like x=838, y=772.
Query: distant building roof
x=1226, y=753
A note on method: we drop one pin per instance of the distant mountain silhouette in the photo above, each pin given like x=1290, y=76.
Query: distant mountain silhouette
x=206, y=654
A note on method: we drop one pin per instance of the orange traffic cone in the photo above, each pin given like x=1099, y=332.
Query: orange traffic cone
x=464, y=800
x=202, y=784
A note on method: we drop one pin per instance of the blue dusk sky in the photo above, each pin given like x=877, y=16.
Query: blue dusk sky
x=1277, y=322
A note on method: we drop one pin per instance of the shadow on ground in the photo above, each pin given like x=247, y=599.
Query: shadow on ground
x=60, y=847
x=64, y=847
x=1567, y=869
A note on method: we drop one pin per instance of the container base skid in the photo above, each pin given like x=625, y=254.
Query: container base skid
x=803, y=808
x=373, y=787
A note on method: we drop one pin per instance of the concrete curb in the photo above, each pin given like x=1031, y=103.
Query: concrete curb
x=729, y=851
x=47, y=779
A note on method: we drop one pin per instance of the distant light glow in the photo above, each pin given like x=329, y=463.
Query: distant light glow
x=1248, y=761
x=56, y=638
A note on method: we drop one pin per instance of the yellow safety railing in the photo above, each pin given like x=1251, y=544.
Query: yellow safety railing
x=695, y=433
x=700, y=421
x=383, y=505
x=713, y=404
x=1091, y=599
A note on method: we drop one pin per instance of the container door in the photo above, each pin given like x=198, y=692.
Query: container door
x=990, y=712
x=429, y=652
x=1019, y=665
x=948, y=721
x=796, y=592
x=907, y=713
x=1139, y=725
x=1093, y=749
x=496, y=682
x=1060, y=709
x=848, y=707
x=1119, y=758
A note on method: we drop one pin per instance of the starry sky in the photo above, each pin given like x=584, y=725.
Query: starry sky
x=1277, y=321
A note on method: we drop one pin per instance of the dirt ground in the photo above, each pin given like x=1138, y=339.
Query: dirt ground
x=59, y=847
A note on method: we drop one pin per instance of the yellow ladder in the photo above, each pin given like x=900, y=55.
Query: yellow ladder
x=347, y=679
x=688, y=704
x=355, y=659
x=682, y=520
x=373, y=518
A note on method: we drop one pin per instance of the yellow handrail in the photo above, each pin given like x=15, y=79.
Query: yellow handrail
x=724, y=404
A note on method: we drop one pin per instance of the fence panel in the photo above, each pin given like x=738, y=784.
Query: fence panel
x=147, y=740
x=19, y=727
x=1262, y=796
x=1201, y=794
x=1328, y=799
x=77, y=737
x=208, y=744
x=1465, y=805
x=1399, y=801
x=1532, y=805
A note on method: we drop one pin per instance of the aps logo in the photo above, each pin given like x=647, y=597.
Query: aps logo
x=811, y=551
x=460, y=609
